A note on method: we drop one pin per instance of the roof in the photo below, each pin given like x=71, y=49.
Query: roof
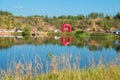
x=116, y=30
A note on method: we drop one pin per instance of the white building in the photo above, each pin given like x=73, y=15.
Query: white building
x=57, y=31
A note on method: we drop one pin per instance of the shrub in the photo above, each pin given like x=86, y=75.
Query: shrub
x=26, y=31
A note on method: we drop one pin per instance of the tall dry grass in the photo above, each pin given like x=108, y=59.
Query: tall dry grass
x=63, y=67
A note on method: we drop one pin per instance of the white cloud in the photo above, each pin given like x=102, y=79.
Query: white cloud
x=19, y=7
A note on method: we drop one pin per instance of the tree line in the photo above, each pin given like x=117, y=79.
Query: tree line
x=99, y=20
x=82, y=22
x=92, y=15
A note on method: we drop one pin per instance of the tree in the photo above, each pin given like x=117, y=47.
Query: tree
x=18, y=25
x=117, y=16
x=100, y=15
x=96, y=15
x=62, y=17
x=5, y=13
x=1, y=21
x=70, y=17
x=80, y=17
x=100, y=22
x=93, y=15
x=54, y=18
x=26, y=31
x=46, y=18
x=109, y=17
x=106, y=25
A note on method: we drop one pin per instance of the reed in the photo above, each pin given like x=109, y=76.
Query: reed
x=63, y=67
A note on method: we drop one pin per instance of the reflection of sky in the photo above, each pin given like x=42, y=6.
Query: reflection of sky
x=26, y=53
x=116, y=42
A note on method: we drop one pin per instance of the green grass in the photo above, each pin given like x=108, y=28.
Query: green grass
x=89, y=74
x=98, y=73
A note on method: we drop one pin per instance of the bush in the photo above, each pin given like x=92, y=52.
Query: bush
x=26, y=31
x=80, y=32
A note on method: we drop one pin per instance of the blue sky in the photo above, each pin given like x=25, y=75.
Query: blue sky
x=60, y=7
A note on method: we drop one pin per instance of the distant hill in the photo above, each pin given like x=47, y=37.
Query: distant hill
x=92, y=22
x=9, y=21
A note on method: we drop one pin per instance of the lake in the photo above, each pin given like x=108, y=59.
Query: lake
x=80, y=51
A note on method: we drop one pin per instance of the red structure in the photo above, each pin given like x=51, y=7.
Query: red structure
x=64, y=42
x=64, y=26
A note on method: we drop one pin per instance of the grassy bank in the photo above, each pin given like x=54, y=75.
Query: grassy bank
x=99, y=73
x=111, y=72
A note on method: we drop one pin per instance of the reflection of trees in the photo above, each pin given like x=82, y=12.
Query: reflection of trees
x=117, y=48
x=107, y=46
x=80, y=45
x=95, y=48
x=6, y=42
x=92, y=44
x=95, y=43
x=92, y=48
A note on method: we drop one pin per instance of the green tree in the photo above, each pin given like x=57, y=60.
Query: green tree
x=106, y=25
x=81, y=17
x=1, y=21
x=17, y=25
x=5, y=13
x=62, y=17
x=117, y=16
x=100, y=22
x=70, y=17
x=108, y=17
x=100, y=15
x=93, y=15
x=26, y=31
x=46, y=18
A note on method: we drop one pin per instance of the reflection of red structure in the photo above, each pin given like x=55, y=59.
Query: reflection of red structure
x=64, y=42
x=64, y=26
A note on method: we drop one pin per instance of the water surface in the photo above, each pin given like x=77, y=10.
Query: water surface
x=86, y=49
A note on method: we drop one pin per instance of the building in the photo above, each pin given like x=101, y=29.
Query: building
x=18, y=30
x=116, y=32
x=56, y=31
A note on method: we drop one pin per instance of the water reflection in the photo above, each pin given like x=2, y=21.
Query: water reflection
x=7, y=36
x=116, y=42
x=66, y=41
x=26, y=48
x=92, y=44
x=10, y=36
x=57, y=37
